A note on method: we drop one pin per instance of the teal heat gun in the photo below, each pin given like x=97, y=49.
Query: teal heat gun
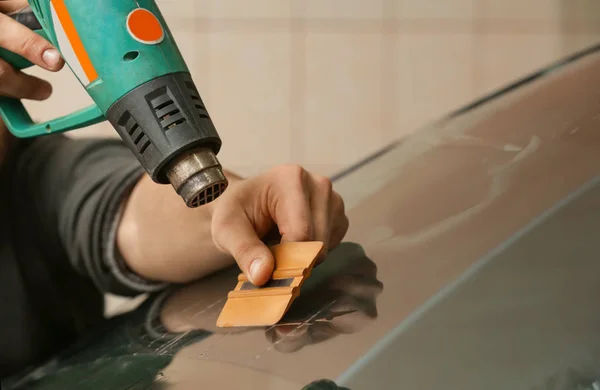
x=123, y=54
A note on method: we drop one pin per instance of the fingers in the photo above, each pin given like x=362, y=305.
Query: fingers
x=20, y=40
x=328, y=212
x=9, y=6
x=320, y=202
x=305, y=208
x=234, y=233
x=340, y=222
x=19, y=85
x=289, y=203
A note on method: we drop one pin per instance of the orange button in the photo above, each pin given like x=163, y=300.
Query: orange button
x=144, y=26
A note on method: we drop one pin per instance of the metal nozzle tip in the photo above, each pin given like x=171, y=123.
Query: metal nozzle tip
x=198, y=177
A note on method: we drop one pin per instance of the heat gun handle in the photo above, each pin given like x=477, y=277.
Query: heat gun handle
x=19, y=122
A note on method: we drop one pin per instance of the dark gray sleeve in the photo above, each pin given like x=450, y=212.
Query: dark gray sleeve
x=81, y=186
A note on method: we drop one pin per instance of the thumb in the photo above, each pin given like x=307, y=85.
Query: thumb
x=234, y=234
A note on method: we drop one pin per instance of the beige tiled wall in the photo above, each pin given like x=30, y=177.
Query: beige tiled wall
x=325, y=82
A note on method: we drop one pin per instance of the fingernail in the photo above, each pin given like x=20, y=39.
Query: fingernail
x=255, y=269
x=51, y=57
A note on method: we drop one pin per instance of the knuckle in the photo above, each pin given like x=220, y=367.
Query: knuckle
x=345, y=224
x=242, y=250
x=324, y=184
x=304, y=231
x=290, y=178
x=30, y=44
x=219, y=224
x=338, y=205
x=291, y=171
x=4, y=71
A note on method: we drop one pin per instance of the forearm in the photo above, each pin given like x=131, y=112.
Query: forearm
x=83, y=183
x=156, y=225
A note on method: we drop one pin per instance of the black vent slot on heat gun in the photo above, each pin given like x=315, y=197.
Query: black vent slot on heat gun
x=136, y=133
x=167, y=111
x=197, y=101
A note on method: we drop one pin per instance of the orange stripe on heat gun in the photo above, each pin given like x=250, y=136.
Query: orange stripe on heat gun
x=74, y=39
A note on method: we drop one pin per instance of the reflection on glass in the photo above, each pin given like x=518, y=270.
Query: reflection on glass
x=339, y=298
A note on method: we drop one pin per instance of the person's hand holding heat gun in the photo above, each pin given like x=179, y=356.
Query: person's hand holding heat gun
x=161, y=239
x=20, y=40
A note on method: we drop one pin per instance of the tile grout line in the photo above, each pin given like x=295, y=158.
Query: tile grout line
x=440, y=25
x=204, y=61
x=298, y=65
x=475, y=73
x=389, y=64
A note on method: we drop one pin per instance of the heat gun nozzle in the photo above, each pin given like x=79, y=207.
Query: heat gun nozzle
x=197, y=177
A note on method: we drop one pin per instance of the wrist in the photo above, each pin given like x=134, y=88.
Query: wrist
x=145, y=215
x=131, y=280
x=113, y=275
x=161, y=239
